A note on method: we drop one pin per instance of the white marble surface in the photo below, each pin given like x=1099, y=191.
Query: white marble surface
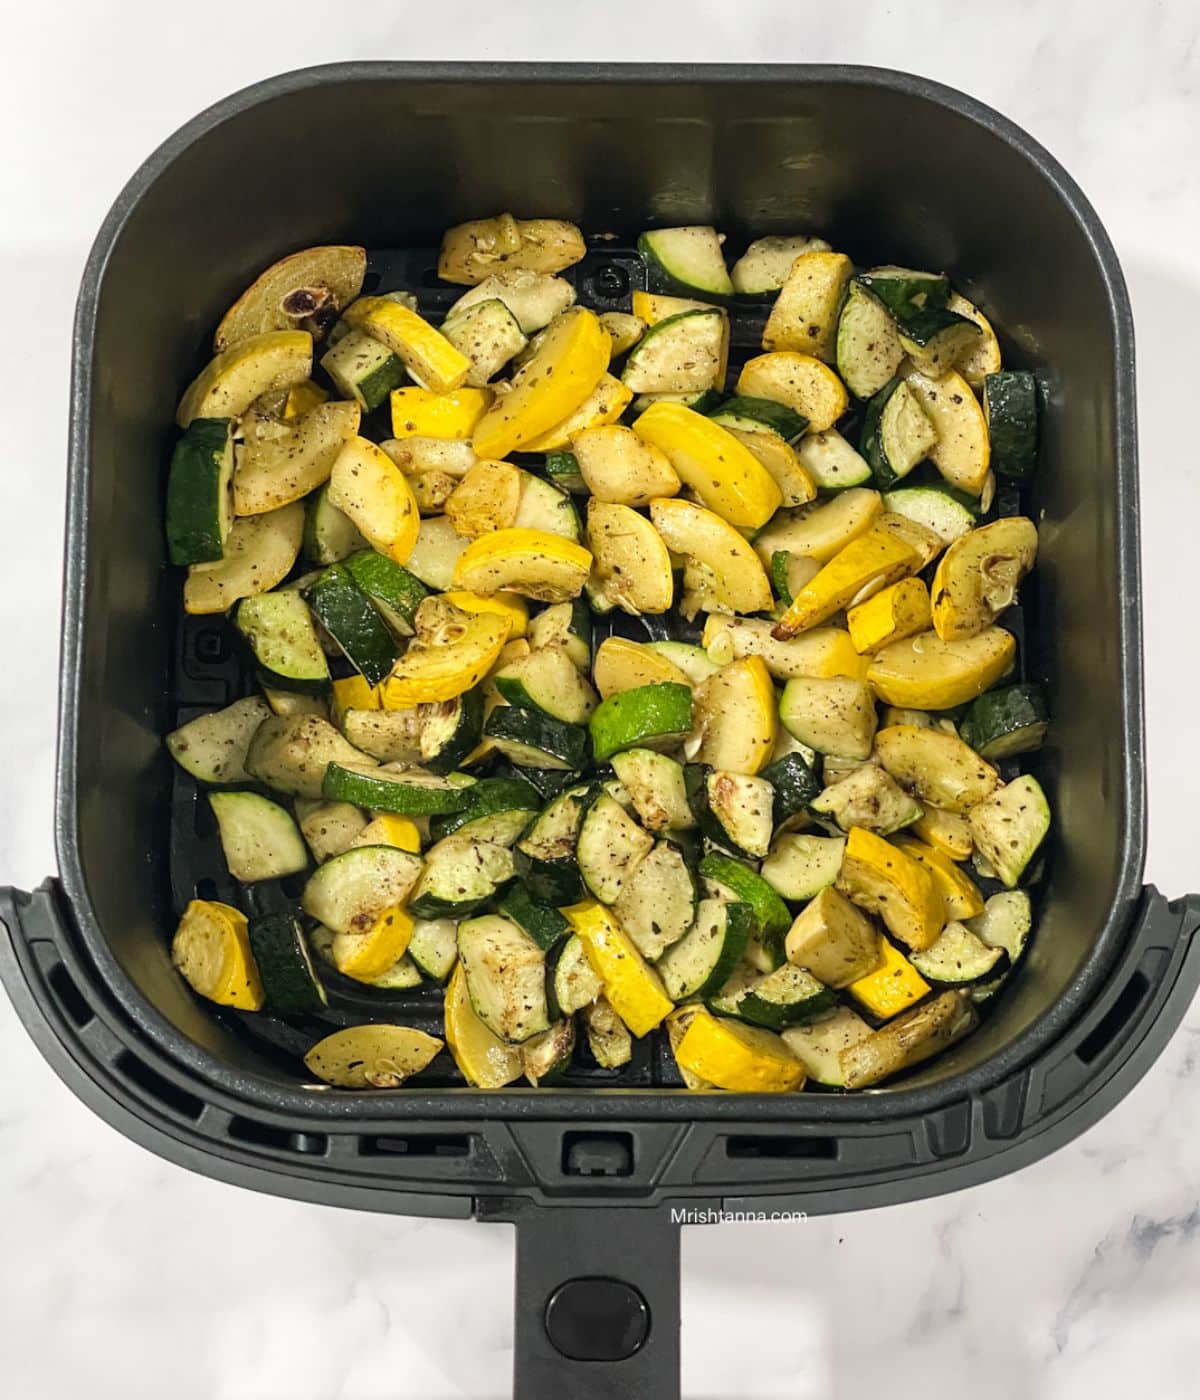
x=123, y=1276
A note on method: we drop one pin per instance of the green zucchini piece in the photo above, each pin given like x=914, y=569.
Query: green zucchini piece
x=329, y=534
x=1010, y=404
x=868, y=796
x=290, y=985
x=956, y=957
x=904, y=291
x=563, y=470
x=531, y=739
x=329, y=827
x=608, y=1037
x=819, y=1045
x=648, y=716
x=291, y=752
x=546, y=1057
x=755, y=415
x=687, y=260
x=260, y=839
x=547, y=680
x=506, y=977
x=702, y=400
x=213, y=747
x=1002, y=723
x=1006, y=922
x=734, y=810
x=940, y=508
x=544, y=924
x=692, y=660
x=433, y=947
x=407, y=793
x=488, y=334
x=348, y=893
x=450, y=730
x=868, y=345
x=402, y=976
x=545, y=855
x=1009, y=826
x=609, y=847
x=795, y=784
x=569, y=624
x=679, y=354
x=656, y=788
x=657, y=903
x=896, y=433
x=789, y=996
x=345, y=612
x=831, y=462
x=200, y=492
x=543, y=506
x=363, y=369
x=395, y=592
x=763, y=267
x=458, y=876
x=771, y=914
x=801, y=866
x=571, y=981
x=488, y=798
x=935, y=338
x=702, y=961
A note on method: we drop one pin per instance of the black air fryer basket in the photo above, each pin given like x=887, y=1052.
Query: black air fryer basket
x=888, y=167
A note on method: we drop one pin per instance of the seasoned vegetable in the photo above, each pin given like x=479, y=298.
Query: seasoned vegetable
x=211, y=949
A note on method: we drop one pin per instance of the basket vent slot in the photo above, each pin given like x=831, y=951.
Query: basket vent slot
x=260, y=1134
x=418, y=1145
x=1096, y=1042
x=152, y=1083
x=780, y=1145
x=70, y=997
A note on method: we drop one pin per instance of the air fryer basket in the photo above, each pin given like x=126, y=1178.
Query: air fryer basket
x=887, y=166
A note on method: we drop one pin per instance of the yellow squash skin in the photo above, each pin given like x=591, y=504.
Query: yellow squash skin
x=483, y=1059
x=722, y=573
x=370, y=488
x=428, y=356
x=925, y=673
x=800, y=381
x=603, y=406
x=232, y=380
x=727, y=477
x=364, y=956
x=622, y=664
x=452, y=416
x=891, y=615
x=426, y=674
x=730, y=1055
x=959, y=892
x=978, y=575
x=893, y=987
x=534, y=563
x=631, y=985
x=510, y=606
x=211, y=949
x=881, y=878
x=878, y=557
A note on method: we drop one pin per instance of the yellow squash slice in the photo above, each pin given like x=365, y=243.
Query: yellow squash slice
x=880, y=878
x=388, y=829
x=451, y=417
x=893, y=987
x=211, y=949
x=603, y=406
x=925, y=673
x=372, y=1056
x=727, y=477
x=983, y=356
x=891, y=615
x=571, y=357
x=617, y=466
x=960, y=894
x=510, y=606
x=477, y=249
x=355, y=693
x=801, y=381
x=963, y=451
x=485, y=500
x=302, y=398
x=722, y=573
x=822, y=653
x=938, y=767
x=259, y=552
x=365, y=956
x=483, y=1059
x=653, y=307
x=446, y=665
x=782, y=463
x=744, y=1059
x=370, y=488
x=978, y=576
x=805, y=313
x=306, y=287
x=427, y=355
x=622, y=664
x=631, y=566
x=821, y=531
x=229, y=383
x=735, y=718
x=947, y=832
x=631, y=985
x=872, y=560
x=275, y=467
x=534, y=563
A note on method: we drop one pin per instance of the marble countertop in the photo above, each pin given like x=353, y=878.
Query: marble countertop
x=128, y=1277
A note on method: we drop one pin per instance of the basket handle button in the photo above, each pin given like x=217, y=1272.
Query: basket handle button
x=597, y=1319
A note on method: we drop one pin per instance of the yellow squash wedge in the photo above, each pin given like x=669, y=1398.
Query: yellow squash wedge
x=571, y=357
x=721, y=573
x=451, y=417
x=631, y=985
x=983, y=357
x=483, y=1059
x=741, y=1058
x=880, y=878
x=963, y=451
x=938, y=767
x=302, y=398
x=485, y=500
x=805, y=313
x=891, y=615
x=823, y=653
x=428, y=356
x=925, y=673
x=978, y=576
x=874, y=559
x=727, y=477
x=801, y=381
x=477, y=249
x=388, y=829
x=622, y=664
x=275, y=467
x=821, y=531
x=735, y=718
x=211, y=949
x=313, y=281
x=229, y=383
x=533, y=563
x=631, y=566
x=510, y=606
x=653, y=307
x=960, y=894
x=372, y=1056
x=370, y=488
x=441, y=669
x=603, y=406
x=946, y=832
x=355, y=693
x=259, y=552
x=893, y=987
x=617, y=466
x=782, y=463
x=365, y=956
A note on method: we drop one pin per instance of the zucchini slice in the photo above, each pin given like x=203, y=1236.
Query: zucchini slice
x=279, y=630
x=329, y=828
x=459, y=875
x=942, y=509
x=450, y=730
x=532, y=739
x=395, y=592
x=754, y=415
x=545, y=925
x=562, y=469
x=290, y=985
x=795, y=784
x=868, y=797
x=492, y=804
x=789, y=996
x=962, y=452
x=904, y=291
x=609, y=847
x=260, y=838
x=546, y=1057
x=290, y=753
x=835, y=716
x=488, y=334
x=329, y=535
x=701, y=962
x=648, y=716
x=732, y=809
x=897, y=433
x=548, y=681
x=213, y=747
x=771, y=915
x=836, y=942
x=546, y=507
x=936, y=338
x=436, y=553
x=305, y=289
x=534, y=298
x=909, y=1039
x=349, y=893
x=763, y=267
x=569, y=624
x=1006, y=922
x=657, y=902
x=868, y=350
x=1009, y=827
x=683, y=354
x=687, y=260
x=800, y=866
x=571, y=981
x=1010, y=405
x=956, y=957
x=407, y=793
x=259, y=553
x=372, y=1056
x=819, y=1045
x=831, y=463
x=608, y=1037
x=545, y=855
x=363, y=368
x=822, y=530
x=506, y=977
x=690, y=661
x=392, y=736
x=434, y=947
x=656, y=788
x=199, y=492
x=483, y=1059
